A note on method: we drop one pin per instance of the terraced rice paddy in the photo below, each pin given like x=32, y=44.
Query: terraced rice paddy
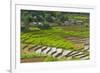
x=57, y=53
x=48, y=36
x=47, y=45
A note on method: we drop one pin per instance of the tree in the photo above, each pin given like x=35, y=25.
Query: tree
x=26, y=18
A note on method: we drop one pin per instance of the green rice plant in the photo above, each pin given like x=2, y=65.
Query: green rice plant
x=78, y=33
x=54, y=37
x=53, y=42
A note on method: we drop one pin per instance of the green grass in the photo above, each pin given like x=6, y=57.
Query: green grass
x=49, y=58
x=36, y=55
x=31, y=55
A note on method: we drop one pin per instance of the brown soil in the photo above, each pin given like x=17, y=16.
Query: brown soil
x=38, y=59
x=79, y=42
x=76, y=40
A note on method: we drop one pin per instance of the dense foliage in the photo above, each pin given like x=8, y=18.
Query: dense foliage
x=45, y=19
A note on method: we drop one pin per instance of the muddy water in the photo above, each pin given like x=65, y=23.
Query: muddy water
x=77, y=40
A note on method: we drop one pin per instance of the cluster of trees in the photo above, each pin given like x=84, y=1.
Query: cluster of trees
x=44, y=19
